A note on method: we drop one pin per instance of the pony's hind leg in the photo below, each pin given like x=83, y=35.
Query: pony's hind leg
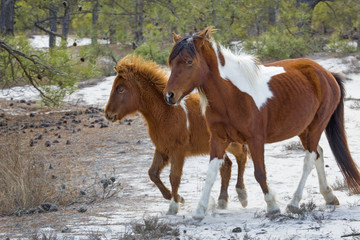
x=325, y=189
x=225, y=172
x=177, y=164
x=159, y=162
x=309, y=161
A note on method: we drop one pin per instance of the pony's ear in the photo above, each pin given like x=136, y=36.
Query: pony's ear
x=115, y=69
x=176, y=37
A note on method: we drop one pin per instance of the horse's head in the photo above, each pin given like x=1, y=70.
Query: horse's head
x=188, y=63
x=124, y=96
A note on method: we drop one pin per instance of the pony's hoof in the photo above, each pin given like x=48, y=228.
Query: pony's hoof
x=173, y=208
x=293, y=209
x=273, y=212
x=222, y=204
x=333, y=202
x=242, y=195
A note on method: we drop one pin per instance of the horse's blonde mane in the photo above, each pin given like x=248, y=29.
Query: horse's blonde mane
x=150, y=72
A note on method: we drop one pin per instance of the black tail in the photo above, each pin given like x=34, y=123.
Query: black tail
x=335, y=133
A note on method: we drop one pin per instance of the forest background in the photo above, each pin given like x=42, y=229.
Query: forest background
x=270, y=29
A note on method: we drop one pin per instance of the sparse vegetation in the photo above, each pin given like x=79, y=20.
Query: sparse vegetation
x=294, y=146
x=340, y=185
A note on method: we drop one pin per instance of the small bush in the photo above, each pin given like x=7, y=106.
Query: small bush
x=278, y=45
x=152, y=51
x=297, y=146
x=340, y=46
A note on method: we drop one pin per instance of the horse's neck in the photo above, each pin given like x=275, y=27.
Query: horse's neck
x=153, y=107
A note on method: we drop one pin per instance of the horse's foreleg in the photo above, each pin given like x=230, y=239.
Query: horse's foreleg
x=177, y=163
x=217, y=151
x=159, y=162
x=309, y=161
x=225, y=172
x=240, y=153
x=257, y=153
x=325, y=189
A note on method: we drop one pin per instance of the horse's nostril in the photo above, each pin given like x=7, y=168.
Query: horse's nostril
x=170, y=95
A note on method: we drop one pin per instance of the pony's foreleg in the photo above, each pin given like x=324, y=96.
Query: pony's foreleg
x=256, y=148
x=177, y=163
x=309, y=161
x=159, y=162
x=217, y=151
x=325, y=189
x=225, y=172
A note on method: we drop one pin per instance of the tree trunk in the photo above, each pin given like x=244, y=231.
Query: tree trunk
x=66, y=20
x=213, y=12
x=273, y=12
x=53, y=25
x=139, y=19
x=7, y=17
x=95, y=17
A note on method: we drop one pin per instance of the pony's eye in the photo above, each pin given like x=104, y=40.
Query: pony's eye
x=120, y=90
x=189, y=62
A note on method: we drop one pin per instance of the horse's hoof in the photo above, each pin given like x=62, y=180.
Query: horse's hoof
x=293, y=209
x=173, y=208
x=333, y=202
x=181, y=199
x=244, y=203
x=273, y=212
x=242, y=195
x=222, y=204
x=200, y=213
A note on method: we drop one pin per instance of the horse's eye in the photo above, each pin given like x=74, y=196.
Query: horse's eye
x=189, y=62
x=120, y=90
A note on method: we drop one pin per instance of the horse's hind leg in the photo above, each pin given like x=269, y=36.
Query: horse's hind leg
x=160, y=160
x=225, y=172
x=177, y=164
x=309, y=161
x=325, y=189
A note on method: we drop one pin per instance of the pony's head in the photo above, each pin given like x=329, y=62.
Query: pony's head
x=188, y=64
x=124, y=96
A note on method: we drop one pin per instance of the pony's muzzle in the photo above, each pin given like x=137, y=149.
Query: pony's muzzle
x=169, y=98
x=110, y=117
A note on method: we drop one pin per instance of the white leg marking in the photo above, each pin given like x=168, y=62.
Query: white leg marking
x=211, y=175
x=242, y=195
x=173, y=208
x=270, y=200
x=325, y=189
x=308, y=166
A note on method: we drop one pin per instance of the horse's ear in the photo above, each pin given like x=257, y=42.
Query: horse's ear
x=176, y=37
x=206, y=33
x=115, y=69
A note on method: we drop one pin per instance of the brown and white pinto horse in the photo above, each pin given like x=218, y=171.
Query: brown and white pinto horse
x=177, y=132
x=255, y=104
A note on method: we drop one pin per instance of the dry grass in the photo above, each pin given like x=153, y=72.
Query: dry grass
x=23, y=179
x=297, y=146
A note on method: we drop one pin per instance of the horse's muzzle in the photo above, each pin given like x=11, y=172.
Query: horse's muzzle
x=109, y=117
x=169, y=98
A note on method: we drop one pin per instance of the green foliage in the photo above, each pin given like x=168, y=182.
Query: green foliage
x=53, y=72
x=278, y=45
x=340, y=46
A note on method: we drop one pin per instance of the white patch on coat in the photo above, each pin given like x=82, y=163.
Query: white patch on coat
x=183, y=105
x=271, y=202
x=203, y=101
x=211, y=175
x=246, y=75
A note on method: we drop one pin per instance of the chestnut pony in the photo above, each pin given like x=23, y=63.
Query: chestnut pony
x=177, y=132
x=254, y=104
